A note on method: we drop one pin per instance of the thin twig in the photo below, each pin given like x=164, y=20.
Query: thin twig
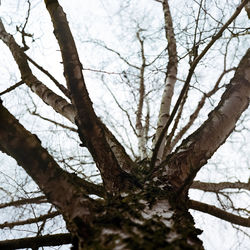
x=190, y=74
x=36, y=200
x=12, y=87
x=52, y=78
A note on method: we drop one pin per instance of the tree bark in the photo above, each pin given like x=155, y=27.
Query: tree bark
x=180, y=168
x=150, y=219
x=133, y=209
x=58, y=103
x=170, y=80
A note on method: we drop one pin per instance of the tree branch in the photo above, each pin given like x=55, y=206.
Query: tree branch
x=29, y=221
x=219, y=213
x=38, y=241
x=168, y=148
x=117, y=53
x=216, y=187
x=187, y=82
x=197, y=110
x=64, y=90
x=247, y=8
x=121, y=108
x=181, y=167
x=54, y=122
x=58, y=103
x=90, y=127
x=64, y=190
x=12, y=87
x=139, y=126
x=170, y=81
x=36, y=200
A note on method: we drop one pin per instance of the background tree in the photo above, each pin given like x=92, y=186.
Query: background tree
x=127, y=188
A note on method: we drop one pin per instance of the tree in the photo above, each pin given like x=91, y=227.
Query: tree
x=142, y=200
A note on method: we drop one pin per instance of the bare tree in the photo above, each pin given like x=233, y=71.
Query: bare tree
x=112, y=194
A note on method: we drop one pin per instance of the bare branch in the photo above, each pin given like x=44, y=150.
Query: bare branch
x=22, y=29
x=118, y=54
x=170, y=81
x=29, y=221
x=61, y=188
x=12, y=87
x=38, y=241
x=54, y=122
x=216, y=187
x=91, y=131
x=52, y=78
x=101, y=71
x=194, y=151
x=168, y=145
x=139, y=126
x=121, y=108
x=219, y=213
x=58, y=103
x=219, y=34
x=36, y=200
x=196, y=112
x=188, y=79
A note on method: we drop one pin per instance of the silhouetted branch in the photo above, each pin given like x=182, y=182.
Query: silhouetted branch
x=29, y=221
x=52, y=78
x=216, y=187
x=190, y=74
x=36, y=200
x=35, y=242
x=12, y=87
x=54, y=122
x=219, y=213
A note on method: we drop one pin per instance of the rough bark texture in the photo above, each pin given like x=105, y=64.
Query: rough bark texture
x=150, y=217
x=66, y=191
x=136, y=207
x=139, y=221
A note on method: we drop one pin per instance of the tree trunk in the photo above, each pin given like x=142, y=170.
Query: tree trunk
x=150, y=219
x=151, y=214
x=139, y=206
